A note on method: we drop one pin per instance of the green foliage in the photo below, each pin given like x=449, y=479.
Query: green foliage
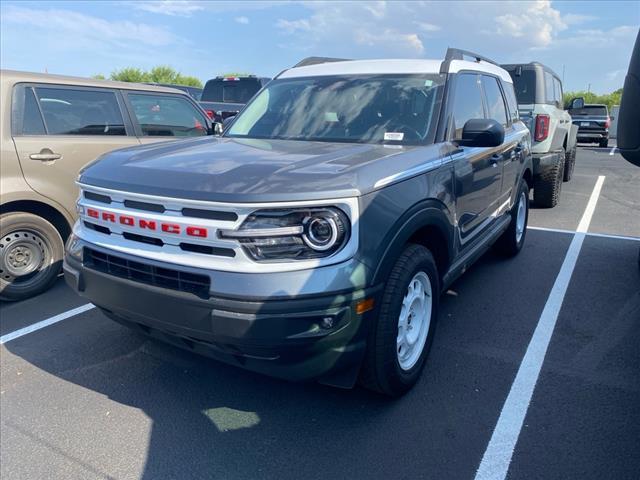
x=159, y=74
x=609, y=99
x=235, y=74
x=99, y=76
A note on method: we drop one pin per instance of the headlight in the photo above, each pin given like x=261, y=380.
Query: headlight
x=292, y=234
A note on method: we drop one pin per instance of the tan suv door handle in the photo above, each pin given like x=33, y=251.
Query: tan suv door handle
x=45, y=155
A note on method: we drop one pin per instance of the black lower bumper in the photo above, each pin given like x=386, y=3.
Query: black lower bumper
x=592, y=135
x=545, y=161
x=310, y=338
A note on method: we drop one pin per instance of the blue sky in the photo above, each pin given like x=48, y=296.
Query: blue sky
x=591, y=39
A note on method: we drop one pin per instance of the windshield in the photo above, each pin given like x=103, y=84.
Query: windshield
x=402, y=109
x=524, y=85
x=599, y=110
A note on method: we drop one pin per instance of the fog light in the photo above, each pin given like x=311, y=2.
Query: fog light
x=74, y=247
x=327, y=322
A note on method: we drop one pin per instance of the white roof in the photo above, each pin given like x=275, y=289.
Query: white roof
x=364, y=67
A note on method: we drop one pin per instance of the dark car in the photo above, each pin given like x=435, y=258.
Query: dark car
x=314, y=238
x=593, y=123
x=223, y=97
x=194, y=92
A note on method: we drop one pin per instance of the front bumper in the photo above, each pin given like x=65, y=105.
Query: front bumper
x=311, y=337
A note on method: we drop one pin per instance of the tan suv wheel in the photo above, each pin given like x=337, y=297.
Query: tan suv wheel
x=31, y=251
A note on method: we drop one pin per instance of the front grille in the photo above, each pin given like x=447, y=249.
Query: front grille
x=149, y=274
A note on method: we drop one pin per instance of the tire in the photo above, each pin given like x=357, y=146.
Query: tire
x=387, y=368
x=569, y=164
x=511, y=241
x=31, y=252
x=604, y=143
x=548, y=186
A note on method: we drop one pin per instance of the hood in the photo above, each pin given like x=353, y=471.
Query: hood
x=251, y=170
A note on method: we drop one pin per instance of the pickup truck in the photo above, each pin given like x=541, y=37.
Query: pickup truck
x=223, y=97
x=313, y=239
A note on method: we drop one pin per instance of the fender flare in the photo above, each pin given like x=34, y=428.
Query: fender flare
x=428, y=213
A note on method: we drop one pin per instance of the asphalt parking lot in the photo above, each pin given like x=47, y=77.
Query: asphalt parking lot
x=85, y=398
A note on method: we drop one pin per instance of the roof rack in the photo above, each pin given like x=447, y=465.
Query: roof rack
x=459, y=54
x=318, y=60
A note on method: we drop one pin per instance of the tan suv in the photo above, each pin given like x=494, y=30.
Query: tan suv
x=51, y=126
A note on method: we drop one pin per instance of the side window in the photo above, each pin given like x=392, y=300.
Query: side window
x=512, y=103
x=80, y=112
x=548, y=88
x=558, y=92
x=495, y=102
x=167, y=116
x=467, y=101
x=32, y=123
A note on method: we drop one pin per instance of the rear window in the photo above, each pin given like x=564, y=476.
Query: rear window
x=231, y=91
x=68, y=111
x=524, y=86
x=589, y=110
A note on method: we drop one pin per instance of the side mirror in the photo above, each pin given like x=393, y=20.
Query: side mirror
x=576, y=103
x=217, y=128
x=482, y=132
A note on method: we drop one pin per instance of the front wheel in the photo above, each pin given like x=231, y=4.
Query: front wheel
x=401, y=336
x=511, y=241
x=31, y=252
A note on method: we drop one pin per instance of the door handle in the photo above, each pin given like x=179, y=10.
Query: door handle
x=495, y=158
x=518, y=148
x=45, y=155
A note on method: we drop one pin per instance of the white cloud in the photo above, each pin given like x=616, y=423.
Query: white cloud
x=427, y=27
x=242, y=20
x=409, y=28
x=538, y=21
x=174, y=8
x=187, y=8
x=86, y=28
x=577, y=18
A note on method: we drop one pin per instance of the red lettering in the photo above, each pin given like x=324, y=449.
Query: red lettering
x=150, y=224
x=126, y=220
x=170, y=228
x=93, y=213
x=197, y=232
x=108, y=217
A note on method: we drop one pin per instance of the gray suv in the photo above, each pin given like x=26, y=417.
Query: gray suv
x=313, y=240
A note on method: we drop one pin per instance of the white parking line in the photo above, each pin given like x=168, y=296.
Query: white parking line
x=45, y=323
x=497, y=457
x=613, y=150
x=588, y=234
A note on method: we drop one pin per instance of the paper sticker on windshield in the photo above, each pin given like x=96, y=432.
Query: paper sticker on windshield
x=330, y=116
x=393, y=136
x=428, y=83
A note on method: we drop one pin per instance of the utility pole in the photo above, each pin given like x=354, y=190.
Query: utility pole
x=589, y=89
x=563, y=75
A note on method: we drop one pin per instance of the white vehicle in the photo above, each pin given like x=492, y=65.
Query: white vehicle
x=541, y=107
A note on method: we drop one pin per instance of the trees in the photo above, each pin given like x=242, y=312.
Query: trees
x=609, y=99
x=159, y=74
